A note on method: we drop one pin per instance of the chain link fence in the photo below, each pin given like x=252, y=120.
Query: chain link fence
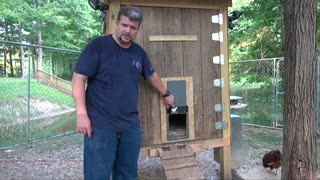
x=36, y=102
x=35, y=98
x=257, y=91
x=257, y=85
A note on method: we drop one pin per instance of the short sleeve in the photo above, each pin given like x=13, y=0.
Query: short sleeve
x=88, y=60
x=147, y=68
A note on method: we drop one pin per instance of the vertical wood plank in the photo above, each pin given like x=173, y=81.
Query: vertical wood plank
x=211, y=95
x=153, y=26
x=114, y=8
x=192, y=63
x=225, y=167
x=172, y=50
x=142, y=101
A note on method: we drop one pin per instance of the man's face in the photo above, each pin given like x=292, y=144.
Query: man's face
x=126, y=30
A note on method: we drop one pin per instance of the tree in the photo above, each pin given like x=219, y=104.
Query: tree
x=259, y=31
x=299, y=138
x=61, y=23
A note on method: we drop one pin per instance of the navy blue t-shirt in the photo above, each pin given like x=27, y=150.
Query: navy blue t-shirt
x=113, y=82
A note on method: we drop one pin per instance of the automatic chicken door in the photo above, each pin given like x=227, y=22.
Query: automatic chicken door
x=178, y=123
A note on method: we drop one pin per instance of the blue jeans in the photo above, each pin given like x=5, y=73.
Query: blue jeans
x=112, y=152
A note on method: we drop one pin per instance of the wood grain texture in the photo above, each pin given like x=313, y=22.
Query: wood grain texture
x=114, y=8
x=192, y=63
x=153, y=25
x=173, y=38
x=172, y=50
x=210, y=71
x=142, y=101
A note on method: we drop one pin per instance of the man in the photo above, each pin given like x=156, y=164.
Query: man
x=107, y=112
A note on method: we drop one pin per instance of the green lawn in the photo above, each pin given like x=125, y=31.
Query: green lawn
x=15, y=88
x=46, y=105
x=260, y=103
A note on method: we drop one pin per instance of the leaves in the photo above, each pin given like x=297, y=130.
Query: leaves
x=258, y=32
x=63, y=23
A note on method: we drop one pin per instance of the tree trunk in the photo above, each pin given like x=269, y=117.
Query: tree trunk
x=299, y=133
x=5, y=61
x=5, y=51
x=38, y=5
x=11, y=62
x=39, y=51
x=51, y=64
x=34, y=52
x=21, y=51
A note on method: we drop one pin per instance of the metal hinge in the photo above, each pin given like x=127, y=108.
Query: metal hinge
x=218, y=83
x=219, y=108
x=217, y=36
x=221, y=125
x=217, y=19
x=218, y=60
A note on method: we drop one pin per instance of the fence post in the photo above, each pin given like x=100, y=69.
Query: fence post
x=274, y=94
x=28, y=113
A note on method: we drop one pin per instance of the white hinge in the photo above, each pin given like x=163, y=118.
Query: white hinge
x=219, y=108
x=221, y=125
x=218, y=59
x=217, y=36
x=218, y=83
x=217, y=19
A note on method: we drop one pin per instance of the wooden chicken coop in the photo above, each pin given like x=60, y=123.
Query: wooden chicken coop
x=186, y=41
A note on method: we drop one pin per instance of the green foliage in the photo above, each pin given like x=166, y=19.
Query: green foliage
x=14, y=111
x=12, y=89
x=258, y=32
x=63, y=24
x=259, y=108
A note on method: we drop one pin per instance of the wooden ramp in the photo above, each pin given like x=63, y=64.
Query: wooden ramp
x=179, y=162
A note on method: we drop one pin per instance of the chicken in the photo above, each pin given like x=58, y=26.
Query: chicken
x=272, y=160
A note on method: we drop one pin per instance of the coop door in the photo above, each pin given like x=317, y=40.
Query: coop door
x=178, y=122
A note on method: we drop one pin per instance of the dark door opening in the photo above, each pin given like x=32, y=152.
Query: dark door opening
x=177, y=126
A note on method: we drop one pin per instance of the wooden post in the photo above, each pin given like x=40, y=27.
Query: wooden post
x=111, y=18
x=225, y=164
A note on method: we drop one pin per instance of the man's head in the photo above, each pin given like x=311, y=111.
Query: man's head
x=128, y=23
x=133, y=13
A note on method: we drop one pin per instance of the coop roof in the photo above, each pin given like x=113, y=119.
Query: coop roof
x=195, y=2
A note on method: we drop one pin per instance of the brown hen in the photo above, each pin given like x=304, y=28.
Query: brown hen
x=272, y=160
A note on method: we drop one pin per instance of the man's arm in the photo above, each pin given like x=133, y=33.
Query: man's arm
x=78, y=94
x=158, y=84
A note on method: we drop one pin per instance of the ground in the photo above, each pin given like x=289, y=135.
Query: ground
x=61, y=158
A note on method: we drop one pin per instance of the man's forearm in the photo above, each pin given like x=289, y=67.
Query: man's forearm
x=78, y=94
x=157, y=83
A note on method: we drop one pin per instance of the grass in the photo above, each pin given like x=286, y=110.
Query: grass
x=260, y=102
x=12, y=89
x=44, y=101
x=65, y=123
x=261, y=139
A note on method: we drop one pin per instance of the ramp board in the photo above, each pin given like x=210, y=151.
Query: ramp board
x=179, y=162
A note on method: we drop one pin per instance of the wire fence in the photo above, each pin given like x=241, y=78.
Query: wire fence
x=35, y=100
x=257, y=87
x=37, y=104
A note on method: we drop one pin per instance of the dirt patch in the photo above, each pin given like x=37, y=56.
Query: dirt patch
x=61, y=158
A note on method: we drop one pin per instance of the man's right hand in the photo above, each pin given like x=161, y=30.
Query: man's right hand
x=84, y=125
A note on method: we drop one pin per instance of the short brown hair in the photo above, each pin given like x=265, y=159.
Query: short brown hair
x=133, y=13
